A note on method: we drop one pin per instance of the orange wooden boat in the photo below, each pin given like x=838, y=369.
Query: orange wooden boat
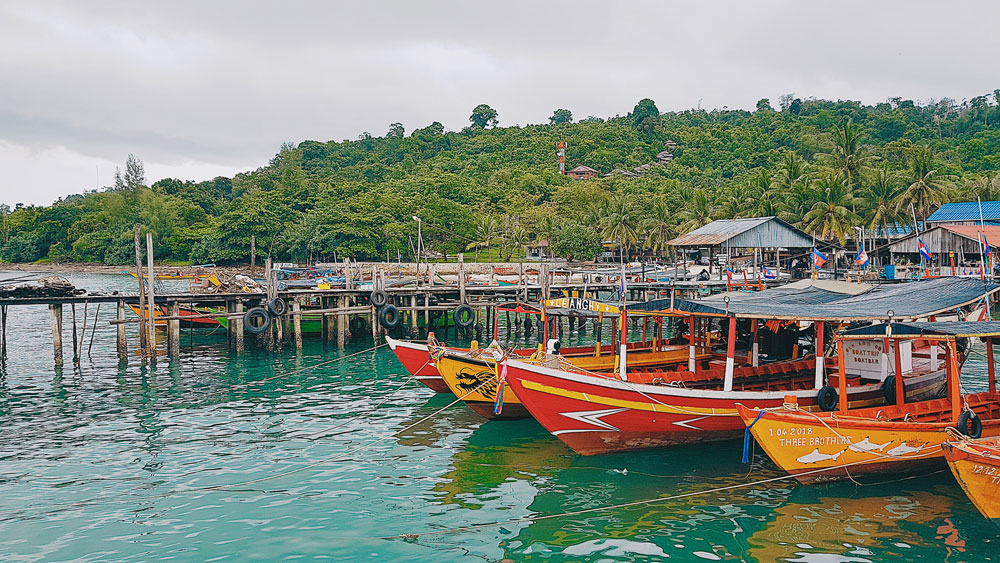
x=899, y=438
x=976, y=466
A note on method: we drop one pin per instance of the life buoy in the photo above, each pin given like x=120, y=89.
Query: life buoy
x=889, y=390
x=969, y=424
x=256, y=320
x=277, y=306
x=827, y=398
x=378, y=298
x=389, y=316
x=464, y=316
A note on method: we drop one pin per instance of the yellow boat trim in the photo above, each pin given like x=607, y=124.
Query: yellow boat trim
x=635, y=405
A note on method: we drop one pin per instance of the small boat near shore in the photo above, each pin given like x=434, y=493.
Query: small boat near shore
x=197, y=316
x=976, y=466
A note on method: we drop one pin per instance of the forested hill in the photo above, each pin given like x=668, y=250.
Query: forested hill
x=826, y=166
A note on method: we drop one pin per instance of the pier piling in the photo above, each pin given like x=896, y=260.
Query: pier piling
x=122, y=343
x=57, y=345
x=237, y=324
x=297, y=323
x=174, y=329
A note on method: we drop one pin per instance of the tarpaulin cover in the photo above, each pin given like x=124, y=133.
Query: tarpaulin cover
x=967, y=329
x=904, y=301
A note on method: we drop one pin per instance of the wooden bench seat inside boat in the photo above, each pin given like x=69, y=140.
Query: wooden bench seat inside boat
x=986, y=405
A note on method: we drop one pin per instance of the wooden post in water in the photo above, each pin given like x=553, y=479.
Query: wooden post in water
x=237, y=324
x=342, y=323
x=151, y=302
x=142, y=293
x=56, y=320
x=120, y=328
x=174, y=329
x=413, y=314
x=3, y=331
x=461, y=278
x=76, y=347
x=297, y=323
x=330, y=302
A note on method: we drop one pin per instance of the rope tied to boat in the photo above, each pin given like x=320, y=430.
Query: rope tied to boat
x=746, y=437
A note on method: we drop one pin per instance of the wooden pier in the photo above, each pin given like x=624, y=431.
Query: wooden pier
x=344, y=313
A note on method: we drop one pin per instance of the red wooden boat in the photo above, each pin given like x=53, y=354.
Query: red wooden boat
x=600, y=413
x=196, y=322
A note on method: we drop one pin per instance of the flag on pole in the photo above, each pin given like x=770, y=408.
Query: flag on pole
x=769, y=273
x=818, y=258
x=862, y=258
x=986, y=246
x=924, y=251
x=729, y=272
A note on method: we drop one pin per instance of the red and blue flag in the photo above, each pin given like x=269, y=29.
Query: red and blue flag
x=924, y=251
x=818, y=258
x=769, y=273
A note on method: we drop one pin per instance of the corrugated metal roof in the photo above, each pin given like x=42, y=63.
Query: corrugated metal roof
x=966, y=211
x=755, y=232
x=938, y=244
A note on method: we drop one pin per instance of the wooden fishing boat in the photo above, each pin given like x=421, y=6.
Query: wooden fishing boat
x=472, y=375
x=907, y=437
x=976, y=466
x=196, y=322
x=416, y=358
x=600, y=413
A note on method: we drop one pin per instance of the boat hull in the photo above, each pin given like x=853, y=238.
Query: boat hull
x=816, y=447
x=198, y=322
x=976, y=466
x=416, y=359
x=594, y=414
x=474, y=381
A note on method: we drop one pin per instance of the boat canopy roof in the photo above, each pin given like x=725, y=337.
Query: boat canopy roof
x=957, y=329
x=910, y=300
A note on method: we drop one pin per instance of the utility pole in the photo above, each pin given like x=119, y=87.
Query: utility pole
x=420, y=241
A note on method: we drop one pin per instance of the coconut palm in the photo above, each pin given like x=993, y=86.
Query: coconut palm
x=698, y=212
x=849, y=156
x=880, y=197
x=927, y=189
x=516, y=237
x=831, y=215
x=792, y=171
x=619, y=224
x=659, y=227
x=488, y=231
x=987, y=186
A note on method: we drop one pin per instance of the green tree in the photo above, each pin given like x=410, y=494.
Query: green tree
x=659, y=227
x=484, y=116
x=831, y=215
x=575, y=241
x=619, y=225
x=927, y=189
x=561, y=116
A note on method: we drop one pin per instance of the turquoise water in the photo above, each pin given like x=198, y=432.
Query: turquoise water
x=117, y=463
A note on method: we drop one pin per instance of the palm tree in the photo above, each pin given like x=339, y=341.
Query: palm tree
x=831, y=215
x=926, y=190
x=487, y=232
x=792, y=171
x=849, y=157
x=987, y=186
x=659, y=226
x=619, y=224
x=698, y=212
x=516, y=237
x=880, y=197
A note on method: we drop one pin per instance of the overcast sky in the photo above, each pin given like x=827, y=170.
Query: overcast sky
x=201, y=89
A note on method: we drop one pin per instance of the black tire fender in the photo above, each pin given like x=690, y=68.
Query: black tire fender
x=378, y=298
x=277, y=306
x=251, y=317
x=969, y=424
x=389, y=316
x=889, y=389
x=827, y=398
x=464, y=316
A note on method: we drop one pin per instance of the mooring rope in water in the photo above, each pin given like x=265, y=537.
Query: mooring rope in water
x=414, y=536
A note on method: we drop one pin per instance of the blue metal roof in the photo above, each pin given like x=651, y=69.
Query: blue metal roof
x=966, y=211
